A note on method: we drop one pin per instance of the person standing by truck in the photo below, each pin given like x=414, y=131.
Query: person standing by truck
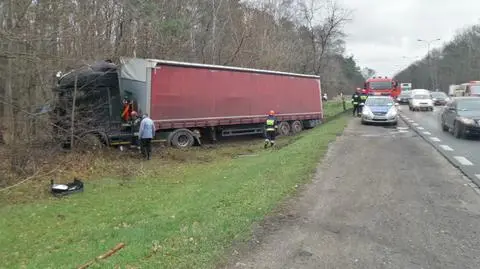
x=271, y=129
x=146, y=133
x=355, y=101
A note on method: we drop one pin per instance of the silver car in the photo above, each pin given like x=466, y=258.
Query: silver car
x=380, y=109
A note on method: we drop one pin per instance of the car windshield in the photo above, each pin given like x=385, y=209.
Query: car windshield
x=379, y=101
x=438, y=95
x=421, y=96
x=380, y=85
x=469, y=105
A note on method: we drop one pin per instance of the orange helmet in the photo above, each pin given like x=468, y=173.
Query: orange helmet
x=271, y=113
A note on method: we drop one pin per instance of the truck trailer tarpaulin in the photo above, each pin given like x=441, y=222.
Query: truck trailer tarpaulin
x=187, y=95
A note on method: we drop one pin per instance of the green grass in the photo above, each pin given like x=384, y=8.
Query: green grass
x=183, y=216
x=334, y=107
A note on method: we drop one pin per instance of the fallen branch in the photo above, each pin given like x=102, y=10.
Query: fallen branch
x=104, y=256
x=27, y=179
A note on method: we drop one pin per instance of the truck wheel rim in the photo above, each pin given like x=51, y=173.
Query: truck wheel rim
x=297, y=127
x=183, y=140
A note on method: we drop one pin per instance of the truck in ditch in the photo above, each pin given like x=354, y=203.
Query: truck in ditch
x=188, y=102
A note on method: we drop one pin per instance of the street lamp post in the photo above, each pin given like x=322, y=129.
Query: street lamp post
x=429, y=42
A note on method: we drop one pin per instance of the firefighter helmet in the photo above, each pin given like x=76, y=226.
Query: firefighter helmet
x=271, y=113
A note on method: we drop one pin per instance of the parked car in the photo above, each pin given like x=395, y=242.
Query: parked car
x=439, y=98
x=380, y=109
x=462, y=117
x=420, y=101
x=404, y=97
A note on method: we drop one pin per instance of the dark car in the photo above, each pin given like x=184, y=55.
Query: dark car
x=439, y=98
x=462, y=116
x=403, y=98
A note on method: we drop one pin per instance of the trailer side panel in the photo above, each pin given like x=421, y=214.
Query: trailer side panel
x=195, y=97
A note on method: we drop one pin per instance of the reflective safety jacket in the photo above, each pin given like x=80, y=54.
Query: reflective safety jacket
x=355, y=99
x=271, y=123
x=363, y=98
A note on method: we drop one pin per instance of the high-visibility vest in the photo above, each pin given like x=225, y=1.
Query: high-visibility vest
x=270, y=125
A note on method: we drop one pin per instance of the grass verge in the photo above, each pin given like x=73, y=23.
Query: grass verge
x=334, y=107
x=176, y=216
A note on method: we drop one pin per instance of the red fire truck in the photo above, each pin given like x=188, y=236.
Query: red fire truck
x=382, y=86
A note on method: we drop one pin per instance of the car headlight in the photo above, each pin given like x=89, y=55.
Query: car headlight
x=367, y=112
x=392, y=113
x=434, y=99
x=447, y=99
x=398, y=98
x=466, y=121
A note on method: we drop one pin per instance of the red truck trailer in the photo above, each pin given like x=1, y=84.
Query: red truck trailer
x=190, y=101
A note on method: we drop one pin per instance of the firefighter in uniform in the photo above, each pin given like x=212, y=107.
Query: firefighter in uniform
x=271, y=129
x=355, y=101
x=363, y=98
x=127, y=109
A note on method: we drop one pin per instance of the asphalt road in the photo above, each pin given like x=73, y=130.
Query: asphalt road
x=465, y=153
x=382, y=198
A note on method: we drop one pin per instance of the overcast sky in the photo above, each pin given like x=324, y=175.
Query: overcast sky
x=383, y=31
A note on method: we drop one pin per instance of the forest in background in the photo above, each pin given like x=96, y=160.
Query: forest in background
x=38, y=38
x=456, y=62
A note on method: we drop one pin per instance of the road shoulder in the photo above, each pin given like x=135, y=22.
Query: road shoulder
x=395, y=203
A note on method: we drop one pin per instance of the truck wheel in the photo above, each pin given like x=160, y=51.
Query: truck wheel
x=283, y=128
x=296, y=127
x=182, y=138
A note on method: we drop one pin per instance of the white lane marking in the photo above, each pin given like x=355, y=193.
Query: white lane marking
x=420, y=128
x=446, y=147
x=402, y=131
x=402, y=128
x=427, y=133
x=415, y=124
x=478, y=176
x=411, y=120
x=462, y=160
x=435, y=139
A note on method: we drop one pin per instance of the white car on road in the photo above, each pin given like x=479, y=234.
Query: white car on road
x=380, y=109
x=421, y=101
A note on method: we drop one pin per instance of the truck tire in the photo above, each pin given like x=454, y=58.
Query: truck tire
x=296, y=127
x=182, y=138
x=283, y=128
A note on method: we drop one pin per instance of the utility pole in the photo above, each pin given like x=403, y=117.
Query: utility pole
x=429, y=42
